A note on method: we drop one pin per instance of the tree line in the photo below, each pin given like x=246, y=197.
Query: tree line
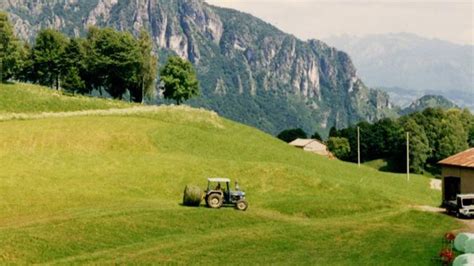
x=105, y=60
x=435, y=134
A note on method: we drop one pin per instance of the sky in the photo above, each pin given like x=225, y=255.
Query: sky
x=319, y=19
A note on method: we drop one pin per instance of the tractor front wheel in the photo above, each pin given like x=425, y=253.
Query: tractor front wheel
x=214, y=201
x=241, y=205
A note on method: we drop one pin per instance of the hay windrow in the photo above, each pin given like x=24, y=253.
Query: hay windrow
x=170, y=113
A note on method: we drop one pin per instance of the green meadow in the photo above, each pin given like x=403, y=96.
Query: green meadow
x=106, y=187
x=28, y=98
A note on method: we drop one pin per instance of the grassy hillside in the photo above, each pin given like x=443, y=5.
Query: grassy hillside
x=29, y=98
x=107, y=189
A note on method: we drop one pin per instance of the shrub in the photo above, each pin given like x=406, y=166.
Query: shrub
x=339, y=147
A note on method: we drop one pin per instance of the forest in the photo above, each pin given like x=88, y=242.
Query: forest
x=434, y=134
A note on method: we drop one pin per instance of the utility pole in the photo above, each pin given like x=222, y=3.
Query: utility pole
x=1, y=69
x=143, y=91
x=358, y=147
x=408, y=156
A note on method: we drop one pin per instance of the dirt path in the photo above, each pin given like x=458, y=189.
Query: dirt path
x=469, y=225
x=436, y=185
x=426, y=208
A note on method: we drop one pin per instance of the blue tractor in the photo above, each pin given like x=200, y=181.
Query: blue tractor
x=218, y=193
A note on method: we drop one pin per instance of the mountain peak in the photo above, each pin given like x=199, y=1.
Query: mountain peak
x=429, y=101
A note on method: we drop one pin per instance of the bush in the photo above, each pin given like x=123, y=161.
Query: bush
x=339, y=147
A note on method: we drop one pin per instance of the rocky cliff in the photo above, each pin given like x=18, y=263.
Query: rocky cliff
x=249, y=70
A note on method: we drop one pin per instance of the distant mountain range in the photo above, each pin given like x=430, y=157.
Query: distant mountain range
x=404, y=97
x=249, y=70
x=411, y=66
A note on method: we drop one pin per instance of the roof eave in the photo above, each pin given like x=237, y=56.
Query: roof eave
x=456, y=165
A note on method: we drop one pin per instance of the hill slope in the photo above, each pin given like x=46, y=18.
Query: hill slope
x=28, y=98
x=249, y=70
x=106, y=189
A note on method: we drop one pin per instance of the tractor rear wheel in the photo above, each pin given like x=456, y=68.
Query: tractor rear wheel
x=241, y=205
x=214, y=201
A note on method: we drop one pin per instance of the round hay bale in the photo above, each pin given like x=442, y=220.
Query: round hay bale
x=192, y=195
x=464, y=259
x=460, y=241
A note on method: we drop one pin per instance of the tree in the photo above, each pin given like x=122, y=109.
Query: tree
x=25, y=65
x=430, y=119
x=73, y=67
x=47, y=57
x=468, y=122
x=148, y=68
x=350, y=134
x=317, y=136
x=453, y=137
x=113, y=62
x=471, y=137
x=179, y=78
x=419, y=145
x=366, y=140
x=339, y=147
x=333, y=132
x=289, y=135
x=12, y=51
x=386, y=138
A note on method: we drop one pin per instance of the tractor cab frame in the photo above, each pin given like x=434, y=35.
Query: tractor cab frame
x=219, y=192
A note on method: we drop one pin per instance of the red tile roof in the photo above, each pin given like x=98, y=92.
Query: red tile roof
x=462, y=159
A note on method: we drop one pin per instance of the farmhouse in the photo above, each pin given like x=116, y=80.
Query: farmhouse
x=311, y=145
x=458, y=174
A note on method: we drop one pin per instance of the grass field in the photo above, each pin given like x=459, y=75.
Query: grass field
x=393, y=165
x=385, y=165
x=29, y=98
x=107, y=189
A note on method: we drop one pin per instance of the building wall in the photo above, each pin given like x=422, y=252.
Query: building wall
x=466, y=175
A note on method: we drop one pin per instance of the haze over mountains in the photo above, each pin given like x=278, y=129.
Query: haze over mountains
x=249, y=70
x=409, y=66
